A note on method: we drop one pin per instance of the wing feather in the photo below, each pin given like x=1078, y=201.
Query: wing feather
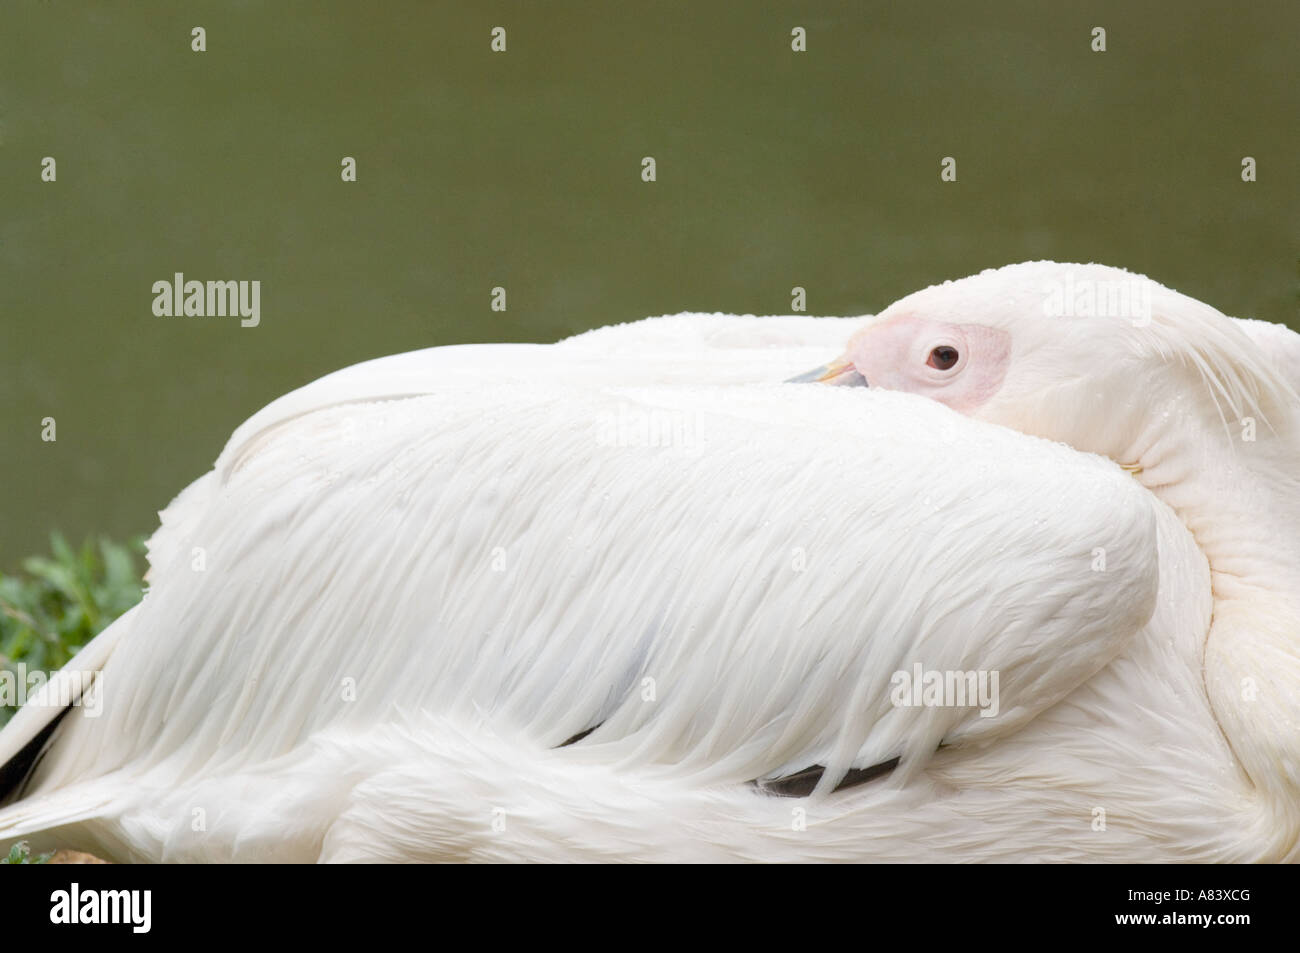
x=728, y=604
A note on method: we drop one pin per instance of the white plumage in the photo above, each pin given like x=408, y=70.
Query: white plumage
x=419, y=577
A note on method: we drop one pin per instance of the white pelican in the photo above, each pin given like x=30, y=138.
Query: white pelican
x=609, y=599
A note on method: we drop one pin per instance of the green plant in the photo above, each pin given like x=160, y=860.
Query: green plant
x=20, y=853
x=59, y=603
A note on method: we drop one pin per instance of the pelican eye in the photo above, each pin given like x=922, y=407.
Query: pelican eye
x=943, y=357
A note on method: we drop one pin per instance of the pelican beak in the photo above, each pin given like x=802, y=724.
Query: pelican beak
x=839, y=372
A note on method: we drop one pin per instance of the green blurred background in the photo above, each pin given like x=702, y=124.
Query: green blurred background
x=522, y=169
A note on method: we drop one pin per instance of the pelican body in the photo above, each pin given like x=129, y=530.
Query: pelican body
x=638, y=596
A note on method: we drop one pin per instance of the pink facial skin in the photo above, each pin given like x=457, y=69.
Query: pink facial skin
x=894, y=355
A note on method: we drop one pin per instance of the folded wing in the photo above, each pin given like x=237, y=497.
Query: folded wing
x=723, y=582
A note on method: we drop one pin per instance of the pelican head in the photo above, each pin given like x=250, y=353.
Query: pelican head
x=1097, y=357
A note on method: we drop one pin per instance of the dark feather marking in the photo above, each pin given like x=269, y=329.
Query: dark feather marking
x=16, y=770
x=801, y=783
x=580, y=735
